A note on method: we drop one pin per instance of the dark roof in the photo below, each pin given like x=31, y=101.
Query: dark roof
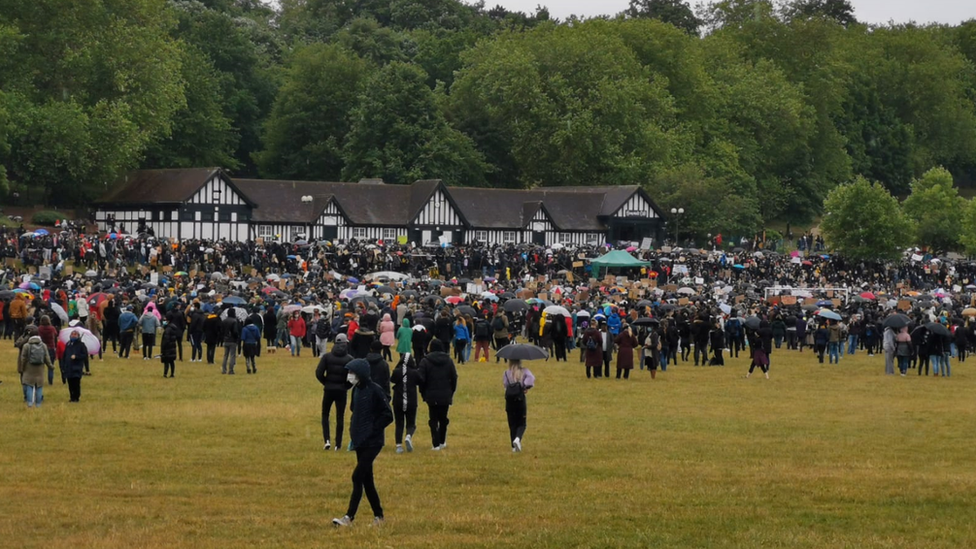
x=158, y=186
x=281, y=201
x=569, y=208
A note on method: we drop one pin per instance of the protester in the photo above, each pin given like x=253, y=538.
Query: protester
x=438, y=383
x=167, y=347
x=405, y=380
x=517, y=382
x=34, y=357
x=331, y=373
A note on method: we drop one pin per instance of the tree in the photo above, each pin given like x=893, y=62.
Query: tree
x=967, y=236
x=399, y=134
x=308, y=126
x=937, y=210
x=675, y=12
x=89, y=84
x=840, y=11
x=863, y=222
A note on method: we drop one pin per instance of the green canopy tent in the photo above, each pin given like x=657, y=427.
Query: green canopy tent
x=617, y=258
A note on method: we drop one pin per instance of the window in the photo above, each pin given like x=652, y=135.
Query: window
x=297, y=233
x=508, y=237
x=593, y=238
x=565, y=238
x=223, y=216
x=265, y=231
x=174, y=215
x=233, y=217
x=481, y=236
x=197, y=216
x=208, y=216
x=389, y=234
x=359, y=232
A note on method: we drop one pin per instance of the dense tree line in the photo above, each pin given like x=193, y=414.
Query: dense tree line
x=743, y=112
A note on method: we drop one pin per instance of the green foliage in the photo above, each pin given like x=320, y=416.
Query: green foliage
x=303, y=145
x=46, y=217
x=840, y=11
x=674, y=12
x=967, y=233
x=937, y=210
x=863, y=221
x=398, y=134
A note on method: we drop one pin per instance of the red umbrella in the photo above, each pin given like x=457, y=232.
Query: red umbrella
x=96, y=299
x=454, y=300
x=808, y=263
x=868, y=295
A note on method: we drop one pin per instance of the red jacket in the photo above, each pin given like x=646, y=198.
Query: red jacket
x=296, y=327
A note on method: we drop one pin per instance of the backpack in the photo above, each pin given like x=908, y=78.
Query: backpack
x=733, y=326
x=482, y=330
x=515, y=392
x=37, y=354
x=591, y=344
x=498, y=324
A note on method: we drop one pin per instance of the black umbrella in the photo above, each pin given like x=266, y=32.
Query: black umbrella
x=522, y=352
x=897, y=321
x=667, y=307
x=432, y=299
x=753, y=322
x=936, y=328
x=364, y=299
x=645, y=321
x=514, y=305
x=409, y=293
x=467, y=310
x=385, y=290
x=506, y=295
x=644, y=303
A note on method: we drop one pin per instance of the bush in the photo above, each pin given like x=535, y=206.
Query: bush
x=46, y=217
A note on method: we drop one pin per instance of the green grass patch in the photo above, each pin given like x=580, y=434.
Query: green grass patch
x=818, y=456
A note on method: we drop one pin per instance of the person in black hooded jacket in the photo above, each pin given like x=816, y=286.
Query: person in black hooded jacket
x=438, y=382
x=331, y=373
x=197, y=318
x=405, y=379
x=371, y=414
x=379, y=368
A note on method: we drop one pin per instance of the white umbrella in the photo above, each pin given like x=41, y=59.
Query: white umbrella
x=239, y=312
x=87, y=338
x=59, y=310
x=725, y=308
x=310, y=309
x=556, y=310
x=274, y=277
x=686, y=291
x=389, y=275
x=91, y=274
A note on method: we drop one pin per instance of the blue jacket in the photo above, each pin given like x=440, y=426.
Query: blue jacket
x=371, y=412
x=251, y=334
x=148, y=323
x=73, y=368
x=127, y=321
x=613, y=324
x=461, y=332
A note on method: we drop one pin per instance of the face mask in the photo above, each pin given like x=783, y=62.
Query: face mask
x=352, y=378
x=74, y=338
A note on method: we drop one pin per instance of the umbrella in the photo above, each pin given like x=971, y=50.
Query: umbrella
x=59, y=310
x=828, y=314
x=645, y=321
x=41, y=232
x=868, y=295
x=29, y=286
x=239, y=312
x=274, y=277
x=352, y=280
x=489, y=296
x=409, y=293
x=644, y=303
x=87, y=338
x=969, y=311
x=582, y=314
x=556, y=310
x=234, y=300
x=91, y=274
x=936, y=328
x=385, y=290
x=363, y=299
x=96, y=299
x=667, y=307
x=522, y=352
x=7, y=294
x=388, y=275
x=467, y=310
x=686, y=291
x=825, y=303
x=727, y=309
x=513, y=305
x=897, y=321
x=454, y=299
x=753, y=322
x=738, y=266
x=310, y=309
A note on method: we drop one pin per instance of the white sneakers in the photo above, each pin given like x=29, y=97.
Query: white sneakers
x=409, y=443
x=328, y=445
x=517, y=445
x=344, y=521
x=399, y=448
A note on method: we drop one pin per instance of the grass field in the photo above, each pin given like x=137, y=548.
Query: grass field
x=818, y=456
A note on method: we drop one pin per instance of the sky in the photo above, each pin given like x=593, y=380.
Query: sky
x=869, y=11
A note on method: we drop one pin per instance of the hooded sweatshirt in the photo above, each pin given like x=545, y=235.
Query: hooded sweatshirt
x=379, y=372
x=387, y=329
x=33, y=375
x=371, y=412
x=331, y=371
x=404, y=337
x=438, y=376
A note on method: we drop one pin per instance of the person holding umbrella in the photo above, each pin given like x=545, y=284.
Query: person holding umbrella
x=626, y=343
x=517, y=382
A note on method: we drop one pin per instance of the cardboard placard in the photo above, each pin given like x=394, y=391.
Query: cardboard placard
x=583, y=296
x=836, y=302
x=544, y=296
x=810, y=301
x=569, y=277
x=671, y=288
x=577, y=264
x=167, y=269
x=683, y=301
x=524, y=294
x=774, y=300
x=739, y=299
x=254, y=272
x=788, y=300
x=69, y=270
x=904, y=305
x=11, y=261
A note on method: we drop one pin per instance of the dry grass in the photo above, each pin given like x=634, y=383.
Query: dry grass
x=819, y=456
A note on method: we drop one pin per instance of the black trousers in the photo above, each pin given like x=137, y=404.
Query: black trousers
x=762, y=367
x=362, y=479
x=438, y=423
x=596, y=371
x=403, y=419
x=685, y=350
x=516, y=410
x=74, y=388
x=196, y=346
x=211, y=351
x=330, y=397
x=125, y=344
x=717, y=359
x=606, y=364
x=624, y=371
x=701, y=350
x=148, y=340
x=170, y=368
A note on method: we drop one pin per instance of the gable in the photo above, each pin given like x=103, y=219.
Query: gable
x=332, y=216
x=438, y=211
x=636, y=206
x=218, y=191
x=541, y=222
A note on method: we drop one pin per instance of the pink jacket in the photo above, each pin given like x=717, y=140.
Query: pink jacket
x=387, y=331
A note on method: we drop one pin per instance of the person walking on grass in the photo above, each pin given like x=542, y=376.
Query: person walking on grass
x=148, y=324
x=438, y=382
x=405, y=379
x=230, y=331
x=904, y=350
x=652, y=350
x=251, y=338
x=517, y=382
x=74, y=361
x=296, y=332
x=371, y=414
x=331, y=373
x=759, y=356
x=626, y=343
x=167, y=347
x=34, y=357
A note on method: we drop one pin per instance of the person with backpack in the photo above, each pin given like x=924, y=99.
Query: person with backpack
x=482, y=339
x=127, y=331
x=652, y=350
x=230, y=332
x=499, y=327
x=733, y=334
x=592, y=345
x=405, y=379
x=323, y=331
x=371, y=414
x=34, y=357
x=251, y=338
x=517, y=382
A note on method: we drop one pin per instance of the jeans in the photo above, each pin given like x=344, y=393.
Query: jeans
x=230, y=354
x=851, y=344
x=34, y=395
x=125, y=344
x=946, y=366
x=196, y=346
x=296, y=345
x=936, y=361
x=833, y=350
x=903, y=364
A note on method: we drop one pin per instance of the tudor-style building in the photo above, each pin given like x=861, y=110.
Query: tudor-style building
x=207, y=203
